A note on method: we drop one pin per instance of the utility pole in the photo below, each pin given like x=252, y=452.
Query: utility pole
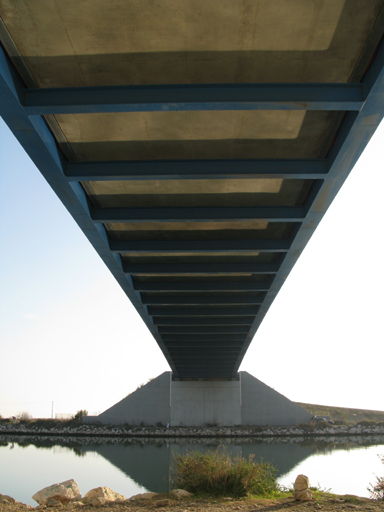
x=52, y=410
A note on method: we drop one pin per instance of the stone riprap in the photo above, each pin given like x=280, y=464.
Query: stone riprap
x=102, y=495
x=302, y=491
x=63, y=492
x=126, y=431
x=301, y=483
x=66, y=492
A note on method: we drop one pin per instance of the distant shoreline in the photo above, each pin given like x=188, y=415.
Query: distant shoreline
x=62, y=428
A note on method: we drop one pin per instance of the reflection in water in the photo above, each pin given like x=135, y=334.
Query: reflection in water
x=146, y=462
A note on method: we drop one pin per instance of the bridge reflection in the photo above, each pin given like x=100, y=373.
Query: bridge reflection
x=147, y=461
x=148, y=464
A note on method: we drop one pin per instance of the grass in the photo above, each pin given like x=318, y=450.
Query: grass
x=215, y=473
x=344, y=415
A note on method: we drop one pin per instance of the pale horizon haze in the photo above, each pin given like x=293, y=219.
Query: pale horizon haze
x=69, y=335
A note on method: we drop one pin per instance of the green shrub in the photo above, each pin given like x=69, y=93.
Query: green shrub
x=80, y=414
x=216, y=473
x=24, y=416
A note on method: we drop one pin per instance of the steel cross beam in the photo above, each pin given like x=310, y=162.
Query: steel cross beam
x=203, y=339
x=198, y=246
x=152, y=98
x=200, y=268
x=218, y=320
x=195, y=300
x=268, y=214
x=207, y=311
x=201, y=330
x=200, y=286
x=289, y=169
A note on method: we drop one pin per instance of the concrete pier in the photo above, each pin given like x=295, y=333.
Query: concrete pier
x=245, y=401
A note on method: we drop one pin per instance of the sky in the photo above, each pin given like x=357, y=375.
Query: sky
x=70, y=339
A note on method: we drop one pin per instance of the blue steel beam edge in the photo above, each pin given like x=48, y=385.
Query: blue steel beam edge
x=210, y=338
x=151, y=98
x=205, y=362
x=183, y=351
x=204, y=214
x=203, y=286
x=200, y=300
x=353, y=136
x=38, y=142
x=209, y=354
x=219, y=321
x=194, y=345
x=202, y=311
x=195, y=348
x=235, y=343
x=181, y=331
x=192, y=246
x=200, y=268
x=197, y=344
x=205, y=339
x=196, y=169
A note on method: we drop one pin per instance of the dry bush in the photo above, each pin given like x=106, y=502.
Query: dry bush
x=216, y=473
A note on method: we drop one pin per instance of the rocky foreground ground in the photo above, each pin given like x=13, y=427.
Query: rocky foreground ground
x=165, y=502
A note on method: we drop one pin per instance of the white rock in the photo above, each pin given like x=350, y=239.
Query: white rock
x=98, y=502
x=181, y=493
x=64, y=492
x=304, y=495
x=162, y=503
x=301, y=483
x=104, y=493
x=143, y=496
x=8, y=498
x=54, y=503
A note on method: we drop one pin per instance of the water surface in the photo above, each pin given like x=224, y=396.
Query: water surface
x=130, y=466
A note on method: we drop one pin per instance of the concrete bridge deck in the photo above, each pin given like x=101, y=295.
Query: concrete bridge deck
x=196, y=143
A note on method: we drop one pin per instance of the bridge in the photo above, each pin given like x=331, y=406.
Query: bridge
x=197, y=144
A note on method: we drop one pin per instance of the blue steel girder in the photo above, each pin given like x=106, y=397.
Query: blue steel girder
x=152, y=98
x=172, y=326
x=272, y=214
x=289, y=169
x=194, y=246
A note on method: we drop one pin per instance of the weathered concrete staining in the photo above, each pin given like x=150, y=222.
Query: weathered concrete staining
x=244, y=402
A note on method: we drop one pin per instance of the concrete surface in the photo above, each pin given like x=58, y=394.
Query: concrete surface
x=246, y=402
x=206, y=403
x=148, y=405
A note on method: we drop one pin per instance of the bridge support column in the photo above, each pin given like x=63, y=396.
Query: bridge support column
x=244, y=402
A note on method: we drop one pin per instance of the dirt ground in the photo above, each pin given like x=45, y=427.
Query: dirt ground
x=167, y=503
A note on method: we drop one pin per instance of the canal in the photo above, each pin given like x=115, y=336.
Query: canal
x=345, y=465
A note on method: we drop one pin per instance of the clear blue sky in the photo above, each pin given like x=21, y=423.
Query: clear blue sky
x=68, y=334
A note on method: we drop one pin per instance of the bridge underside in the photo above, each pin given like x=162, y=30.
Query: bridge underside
x=196, y=143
